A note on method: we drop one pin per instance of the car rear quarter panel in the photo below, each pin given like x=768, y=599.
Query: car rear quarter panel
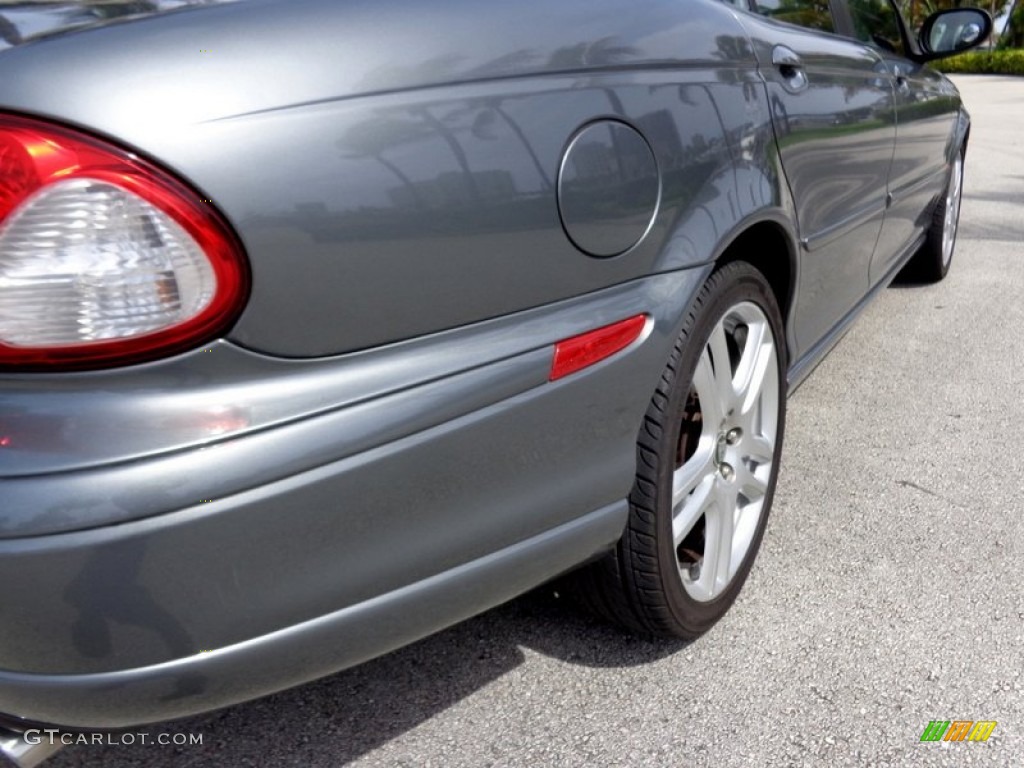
x=389, y=183
x=384, y=191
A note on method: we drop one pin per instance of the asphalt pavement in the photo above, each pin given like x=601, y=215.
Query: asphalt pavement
x=889, y=591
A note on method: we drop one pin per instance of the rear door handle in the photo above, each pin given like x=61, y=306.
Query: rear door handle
x=790, y=66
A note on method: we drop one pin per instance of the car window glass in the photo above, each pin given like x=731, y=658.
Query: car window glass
x=876, y=22
x=805, y=13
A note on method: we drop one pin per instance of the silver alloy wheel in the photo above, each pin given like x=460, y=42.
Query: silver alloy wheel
x=951, y=213
x=719, y=486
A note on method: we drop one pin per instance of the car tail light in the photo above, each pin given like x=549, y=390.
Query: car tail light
x=579, y=352
x=104, y=258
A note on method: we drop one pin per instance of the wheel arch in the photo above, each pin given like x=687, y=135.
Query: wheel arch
x=769, y=246
x=961, y=134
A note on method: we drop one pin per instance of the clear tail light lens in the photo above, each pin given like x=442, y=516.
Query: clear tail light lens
x=105, y=259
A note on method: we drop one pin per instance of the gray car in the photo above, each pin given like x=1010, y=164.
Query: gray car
x=325, y=325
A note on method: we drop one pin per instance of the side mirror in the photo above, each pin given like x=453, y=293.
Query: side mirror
x=953, y=30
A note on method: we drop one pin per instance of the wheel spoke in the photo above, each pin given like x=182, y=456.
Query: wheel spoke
x=747, y=518
x=722, y=367
x=690, y=508
x=686, y=477
x=720, y=523
x=707, y=392
x=750, y=483
x=758, y=449
x=758, y=356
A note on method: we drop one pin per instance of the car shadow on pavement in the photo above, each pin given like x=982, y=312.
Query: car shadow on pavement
x=337, y=719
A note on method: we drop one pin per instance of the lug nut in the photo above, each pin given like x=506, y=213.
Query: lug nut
x=734, y=436
x=728, y=473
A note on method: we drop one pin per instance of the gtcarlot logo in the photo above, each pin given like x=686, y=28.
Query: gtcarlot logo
x=36, y=736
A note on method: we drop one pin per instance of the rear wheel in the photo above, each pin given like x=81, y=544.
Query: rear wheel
x=707, y=462
x=931, y=263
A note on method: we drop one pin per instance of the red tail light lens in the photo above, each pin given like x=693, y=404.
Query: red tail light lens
x=105, y=259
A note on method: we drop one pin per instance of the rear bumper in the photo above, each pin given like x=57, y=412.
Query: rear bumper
x=301, y=652
x=177, y=581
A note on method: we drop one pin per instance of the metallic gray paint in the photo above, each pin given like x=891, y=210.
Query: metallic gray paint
x=928, y=110
x=609, y=188
x=374, y=451
x=392, y=194
x=90, y=449
x=836, y=139
x=334, y=524
x=311, y=649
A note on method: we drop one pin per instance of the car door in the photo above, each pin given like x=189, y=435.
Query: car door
x=832, y=108
x=926, y=106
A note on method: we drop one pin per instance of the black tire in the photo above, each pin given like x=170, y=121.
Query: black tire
x=932, y=261
x=640, y=584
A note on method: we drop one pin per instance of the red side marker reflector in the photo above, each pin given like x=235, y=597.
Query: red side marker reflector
x=578, y=352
